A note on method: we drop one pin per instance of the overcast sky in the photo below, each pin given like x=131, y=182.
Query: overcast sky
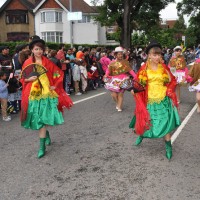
x=169, y=13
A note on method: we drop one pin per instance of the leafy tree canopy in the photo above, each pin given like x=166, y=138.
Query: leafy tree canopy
x=131, y=14
x=192, y=9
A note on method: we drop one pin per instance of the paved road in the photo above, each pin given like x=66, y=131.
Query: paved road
x=92, y=157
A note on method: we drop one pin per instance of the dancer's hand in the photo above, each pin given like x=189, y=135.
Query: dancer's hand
x=132, y=92
x=52, y=87
x=31, y=79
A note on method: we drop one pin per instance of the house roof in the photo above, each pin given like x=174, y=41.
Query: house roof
x=78, y=5
x=26, y=3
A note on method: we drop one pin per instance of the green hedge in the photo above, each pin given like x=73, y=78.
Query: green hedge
x=51, y=45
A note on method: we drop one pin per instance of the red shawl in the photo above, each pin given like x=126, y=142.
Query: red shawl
x=142, y=115
x=55, y=76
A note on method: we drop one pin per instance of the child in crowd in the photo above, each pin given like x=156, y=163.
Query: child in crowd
x=92, y=76
x=4, y=96
x=76, y=73
x=83, y=76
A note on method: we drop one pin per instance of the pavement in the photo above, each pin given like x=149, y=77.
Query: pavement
x=92, y=157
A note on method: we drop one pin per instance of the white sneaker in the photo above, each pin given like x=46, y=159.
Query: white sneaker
x=119, y=110
x=6, y=119
x=68, y=94
x=78, y=93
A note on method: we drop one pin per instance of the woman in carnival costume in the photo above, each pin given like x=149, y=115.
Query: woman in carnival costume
x=156, y=113
x=118, y=71
x=194, y=72
x=177, y=65
x=43, y=97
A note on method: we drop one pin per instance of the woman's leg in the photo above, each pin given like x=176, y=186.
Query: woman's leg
x=168, y=146
x=120, y=100
x=167, y=137
x=84, y=84
x=42, y=136
x=198, y=101
x=42, y=132
x=114, y=96
x=76, y=86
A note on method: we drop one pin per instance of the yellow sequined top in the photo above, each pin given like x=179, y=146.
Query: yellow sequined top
x=156, y=85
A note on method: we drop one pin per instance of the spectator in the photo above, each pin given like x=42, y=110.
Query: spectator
x=61, y=56
x=198, y=51
x=6, y=66
x=98, y=53
x=80, y=54
x=70, y=56
x=83, y=76
x=110, y=55
x=76, y=72
x=4, y=96
x=92, y=56
x=52, y=57
x=5, y=60
x=92, y=76
x=105, y=61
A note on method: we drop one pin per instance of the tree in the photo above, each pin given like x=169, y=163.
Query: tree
x=131, y=14
x=179, y=29
x=96, y=2
x=191, y=8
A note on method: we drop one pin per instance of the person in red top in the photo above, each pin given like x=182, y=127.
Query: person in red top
x=61, y=56
x=43, y=97
x=80, y=54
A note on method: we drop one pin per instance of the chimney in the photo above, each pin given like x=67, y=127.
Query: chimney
x=34, y=2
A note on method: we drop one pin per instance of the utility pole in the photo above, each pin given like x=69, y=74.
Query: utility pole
x=71, y=25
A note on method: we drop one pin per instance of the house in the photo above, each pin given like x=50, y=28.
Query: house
x=52, y=24
x=168, y=23
x=49, y=20
x=16, y=20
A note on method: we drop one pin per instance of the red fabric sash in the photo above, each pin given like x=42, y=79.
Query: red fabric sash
x=142, y=115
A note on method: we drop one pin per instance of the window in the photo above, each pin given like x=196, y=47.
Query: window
x=51, y=16
x=85, y=19
x=52, y=37
x=17, y=17
x=17, y=36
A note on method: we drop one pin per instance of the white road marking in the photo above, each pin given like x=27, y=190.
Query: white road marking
x=184, y=122
x=85, y=99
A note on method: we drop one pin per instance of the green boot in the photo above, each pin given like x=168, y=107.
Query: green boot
x=168, y=147
x=138, y=140
x=41, y=151
x=47, y=139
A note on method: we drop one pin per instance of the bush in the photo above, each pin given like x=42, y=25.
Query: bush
x=54, y=46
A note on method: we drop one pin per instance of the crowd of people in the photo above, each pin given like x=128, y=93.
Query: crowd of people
x=38, y=80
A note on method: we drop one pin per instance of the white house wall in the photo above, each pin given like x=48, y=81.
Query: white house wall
x=102, y=35
x=83, y=33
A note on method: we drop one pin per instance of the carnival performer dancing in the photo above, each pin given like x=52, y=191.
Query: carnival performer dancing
x=156, y=113
x=194, y=72
x=118, y=70
x=177, y=65
x=43, y=96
